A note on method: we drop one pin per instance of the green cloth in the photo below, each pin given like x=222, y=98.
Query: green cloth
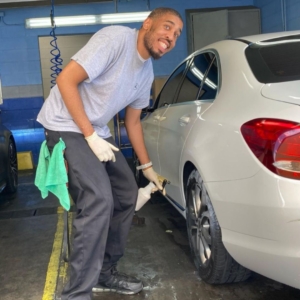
x=51, y=174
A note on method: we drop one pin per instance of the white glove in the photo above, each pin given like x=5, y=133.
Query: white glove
x=151, y=175
x=101, y=148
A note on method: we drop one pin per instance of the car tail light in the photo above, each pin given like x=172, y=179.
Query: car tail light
x=276, y=144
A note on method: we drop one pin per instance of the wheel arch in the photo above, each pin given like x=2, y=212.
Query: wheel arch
x=187, y=169
x=189, y=166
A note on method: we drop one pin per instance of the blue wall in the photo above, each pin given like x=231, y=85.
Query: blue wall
x=279, y=15
x=19, y=53
x=20, y=62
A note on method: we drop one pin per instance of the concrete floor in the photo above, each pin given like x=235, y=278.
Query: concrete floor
x=157, y=252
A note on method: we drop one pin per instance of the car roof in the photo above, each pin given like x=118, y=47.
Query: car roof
x=263, y=38
x=269, y=37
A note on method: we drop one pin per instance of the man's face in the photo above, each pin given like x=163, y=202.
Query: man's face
x=162, y=34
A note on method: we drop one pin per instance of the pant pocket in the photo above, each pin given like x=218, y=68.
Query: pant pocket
x=52, y=138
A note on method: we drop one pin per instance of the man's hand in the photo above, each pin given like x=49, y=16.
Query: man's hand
x=151, y=175
x=102, y=149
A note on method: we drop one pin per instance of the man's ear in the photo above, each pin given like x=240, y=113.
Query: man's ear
x=147, y=24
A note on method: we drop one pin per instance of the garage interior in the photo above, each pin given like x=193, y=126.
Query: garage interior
x=32, y=240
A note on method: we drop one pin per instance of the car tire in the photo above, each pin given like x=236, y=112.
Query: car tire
x=12, y=170
x=214, y=263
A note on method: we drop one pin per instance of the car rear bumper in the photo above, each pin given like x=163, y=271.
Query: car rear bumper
x=273, y=259
x=260, y=221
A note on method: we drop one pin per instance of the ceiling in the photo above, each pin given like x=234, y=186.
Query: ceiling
x=35, y=3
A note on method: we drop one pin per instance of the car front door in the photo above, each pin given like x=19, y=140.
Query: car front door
x=194, y=97
x=152, y=120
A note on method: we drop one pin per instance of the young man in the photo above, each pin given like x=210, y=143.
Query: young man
x=113, y=71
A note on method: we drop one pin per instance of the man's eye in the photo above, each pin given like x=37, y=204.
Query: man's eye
x=167, y=27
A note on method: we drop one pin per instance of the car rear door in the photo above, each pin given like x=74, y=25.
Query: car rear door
x=196, y=93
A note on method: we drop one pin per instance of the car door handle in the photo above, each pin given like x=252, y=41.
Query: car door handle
x=183, y=121
x=159, y=118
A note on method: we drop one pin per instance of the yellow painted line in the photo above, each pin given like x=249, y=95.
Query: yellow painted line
x=54, y=262
x=25, y=160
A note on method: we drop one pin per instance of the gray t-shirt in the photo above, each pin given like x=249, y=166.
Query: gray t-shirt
x=117, y=77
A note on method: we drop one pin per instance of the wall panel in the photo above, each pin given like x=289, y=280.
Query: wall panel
x=279, y=15
x=21, y=66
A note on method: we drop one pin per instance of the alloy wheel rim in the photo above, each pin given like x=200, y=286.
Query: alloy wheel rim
x=200, y=224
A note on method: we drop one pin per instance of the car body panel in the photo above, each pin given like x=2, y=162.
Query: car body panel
x=174, y=130
x=259, y=229
x=268, y=36
x=284, y=91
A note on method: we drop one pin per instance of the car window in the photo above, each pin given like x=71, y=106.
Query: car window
x=168, y=92
x=210, y=85
x=273, y=63
x=193, y=87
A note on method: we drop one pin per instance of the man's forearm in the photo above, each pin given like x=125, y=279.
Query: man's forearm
x=135, y=135
x=74, y=105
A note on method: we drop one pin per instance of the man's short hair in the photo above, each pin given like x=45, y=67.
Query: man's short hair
x=157, y=12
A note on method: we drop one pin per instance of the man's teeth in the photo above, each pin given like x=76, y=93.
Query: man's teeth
x=163, y=45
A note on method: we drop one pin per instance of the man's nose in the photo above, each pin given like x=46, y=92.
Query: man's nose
x=171, y=37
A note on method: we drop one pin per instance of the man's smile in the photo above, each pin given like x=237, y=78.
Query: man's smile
x=163, y=45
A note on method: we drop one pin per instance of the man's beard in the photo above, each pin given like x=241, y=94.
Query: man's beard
x=149, y=47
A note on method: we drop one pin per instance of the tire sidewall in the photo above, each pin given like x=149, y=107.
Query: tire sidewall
x=11, y=183
x=205, y=270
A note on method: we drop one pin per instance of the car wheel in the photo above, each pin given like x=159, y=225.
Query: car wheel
x=12, y=169
x=214, y=263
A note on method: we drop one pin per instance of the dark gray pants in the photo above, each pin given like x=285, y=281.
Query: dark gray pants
x=105, y=195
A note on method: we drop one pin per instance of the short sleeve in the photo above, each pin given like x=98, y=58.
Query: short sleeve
x=140, y=103
x=143, y=99
x=96, y=55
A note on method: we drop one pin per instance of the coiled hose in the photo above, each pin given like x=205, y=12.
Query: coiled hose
x=56, y=60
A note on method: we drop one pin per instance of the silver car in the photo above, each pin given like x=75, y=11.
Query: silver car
x=225, y=132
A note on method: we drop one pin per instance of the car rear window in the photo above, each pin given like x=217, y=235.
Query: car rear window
x=274, y=63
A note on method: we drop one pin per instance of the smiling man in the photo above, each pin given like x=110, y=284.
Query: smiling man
x=162, y=31
x=111, y=72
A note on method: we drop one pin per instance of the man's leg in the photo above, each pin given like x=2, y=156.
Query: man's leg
x=89, y=186
x=125, y=192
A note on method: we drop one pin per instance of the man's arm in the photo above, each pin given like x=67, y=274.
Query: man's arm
x=135, y=134
x=67, y=83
